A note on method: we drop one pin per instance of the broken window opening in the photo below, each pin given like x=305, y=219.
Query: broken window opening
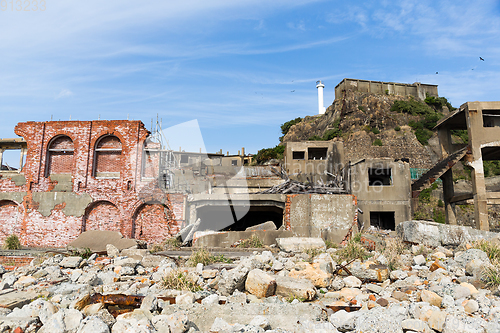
x=12, y=160
x=491, y=118
x=184, y=158
x=383, y=220
x=299, y=155
x=107, y=163
x=234, y=162
x=317, y=153
x=379, y=177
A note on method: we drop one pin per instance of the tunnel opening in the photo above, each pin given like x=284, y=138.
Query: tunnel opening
x=221, y=218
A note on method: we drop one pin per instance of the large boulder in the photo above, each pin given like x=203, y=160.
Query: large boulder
x=96, y=240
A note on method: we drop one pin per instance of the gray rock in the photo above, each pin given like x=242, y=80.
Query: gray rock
x=378, y=320
x=345, y=321
x=474, y=267
x=352, y=282
x=260, y=321
x=463, y=323
x=419, y=260
x=465, y=257
x=71, y=262
x=63, y=321
x=176, y=322
x=149, y=303
x=299, y=244
x=93, y=324
x=127, y=262
x=209, y=300
x=269, y=225
x=419, y=232
x=290, y=287
x=398, y=275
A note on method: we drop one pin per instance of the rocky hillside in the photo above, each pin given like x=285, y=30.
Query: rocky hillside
x=369, y=128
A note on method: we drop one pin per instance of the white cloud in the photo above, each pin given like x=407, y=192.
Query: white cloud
x=64, y=93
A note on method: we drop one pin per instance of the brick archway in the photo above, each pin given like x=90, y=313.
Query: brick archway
x=102, y=215
x=10, y=219
x=152, y=223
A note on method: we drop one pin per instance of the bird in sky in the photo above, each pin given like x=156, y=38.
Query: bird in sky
x=436, y=72
x=480, y=58
x=292, y=91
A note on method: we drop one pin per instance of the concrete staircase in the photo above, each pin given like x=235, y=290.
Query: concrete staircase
x=438, y=170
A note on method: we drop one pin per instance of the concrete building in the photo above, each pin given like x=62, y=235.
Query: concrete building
x=311, y=159
x=482, y=122
x=417, y=89
x=383, y=190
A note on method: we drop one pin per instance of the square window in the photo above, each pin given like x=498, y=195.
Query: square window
x=379, y=176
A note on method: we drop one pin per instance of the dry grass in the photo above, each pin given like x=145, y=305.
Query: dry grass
x=491, y=249
x=180, y=280
x=206, y=258
x=353, y=250
x=172, y=243
x=252, y=242
x=491, y=274
x=393, y=250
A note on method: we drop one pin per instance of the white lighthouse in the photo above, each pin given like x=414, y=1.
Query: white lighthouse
x=320, y=86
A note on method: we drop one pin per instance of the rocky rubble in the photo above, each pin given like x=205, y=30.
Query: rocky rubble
x=431, y=290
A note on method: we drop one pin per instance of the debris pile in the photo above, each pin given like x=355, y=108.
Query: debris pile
x=401, y=288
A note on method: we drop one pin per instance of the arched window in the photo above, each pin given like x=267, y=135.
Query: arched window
x=107, y=163
x=60, y=156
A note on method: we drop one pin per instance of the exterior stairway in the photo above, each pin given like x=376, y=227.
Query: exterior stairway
x=438, y=170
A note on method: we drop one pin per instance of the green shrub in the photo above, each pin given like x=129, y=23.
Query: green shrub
x=439, y=216
x=267, y=154
x=387, y=91
x=462, y=134
x=12, y=242
x=378, y=142
x=397, y=128
x=375, y=130
x=440, y=203
x=438, y=102
x=491, y=168
x=286, y=126
x=353, y=250
x=367, y=128
x=315, y=138
x=85, y=253
x=361, y=108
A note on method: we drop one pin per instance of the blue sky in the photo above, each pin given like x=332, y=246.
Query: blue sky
x=233, y=65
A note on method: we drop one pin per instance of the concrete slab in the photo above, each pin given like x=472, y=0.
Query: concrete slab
x=227, y=238
x=16, y=299
x=96, y=240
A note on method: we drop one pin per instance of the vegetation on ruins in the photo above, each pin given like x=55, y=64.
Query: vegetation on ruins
x=267, y=154
x=204, y=257
x=252, y=242
x=180, y=280
x=12, y=242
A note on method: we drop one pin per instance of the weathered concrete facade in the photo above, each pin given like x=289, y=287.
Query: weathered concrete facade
x=312, y=158
x=84, y=175
x=383, y=190
x=481, y=120
x=417, y=89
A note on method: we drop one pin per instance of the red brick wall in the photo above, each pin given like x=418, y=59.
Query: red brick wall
x=10, y=219
x=117, y=203
x=12, y=262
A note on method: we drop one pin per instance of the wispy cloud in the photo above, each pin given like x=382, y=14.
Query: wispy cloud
x=64, y=93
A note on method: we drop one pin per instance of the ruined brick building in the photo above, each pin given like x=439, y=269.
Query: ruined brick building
x=83, y=175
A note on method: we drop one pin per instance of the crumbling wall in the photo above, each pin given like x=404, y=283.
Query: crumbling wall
x=62, y=192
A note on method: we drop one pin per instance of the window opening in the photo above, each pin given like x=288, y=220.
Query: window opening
x=317, y=153
x=299, y=155
x=379, y=176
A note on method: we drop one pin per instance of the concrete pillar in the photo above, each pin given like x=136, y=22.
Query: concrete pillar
x=475, y=127
x=1, y=157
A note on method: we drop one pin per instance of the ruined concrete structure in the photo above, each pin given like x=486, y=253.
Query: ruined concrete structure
x=83, y=175
x=482, y=122
x=383, y=189
x=417, y=89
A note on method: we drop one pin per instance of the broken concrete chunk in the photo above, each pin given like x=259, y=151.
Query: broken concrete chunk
x=299, y=244
x=71, y=262
x=112, y=251
x=299, y=288
x=269, y=225
x=96, y=240
x=260, y=284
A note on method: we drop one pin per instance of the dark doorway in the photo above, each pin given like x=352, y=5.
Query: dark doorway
x=383, y=220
